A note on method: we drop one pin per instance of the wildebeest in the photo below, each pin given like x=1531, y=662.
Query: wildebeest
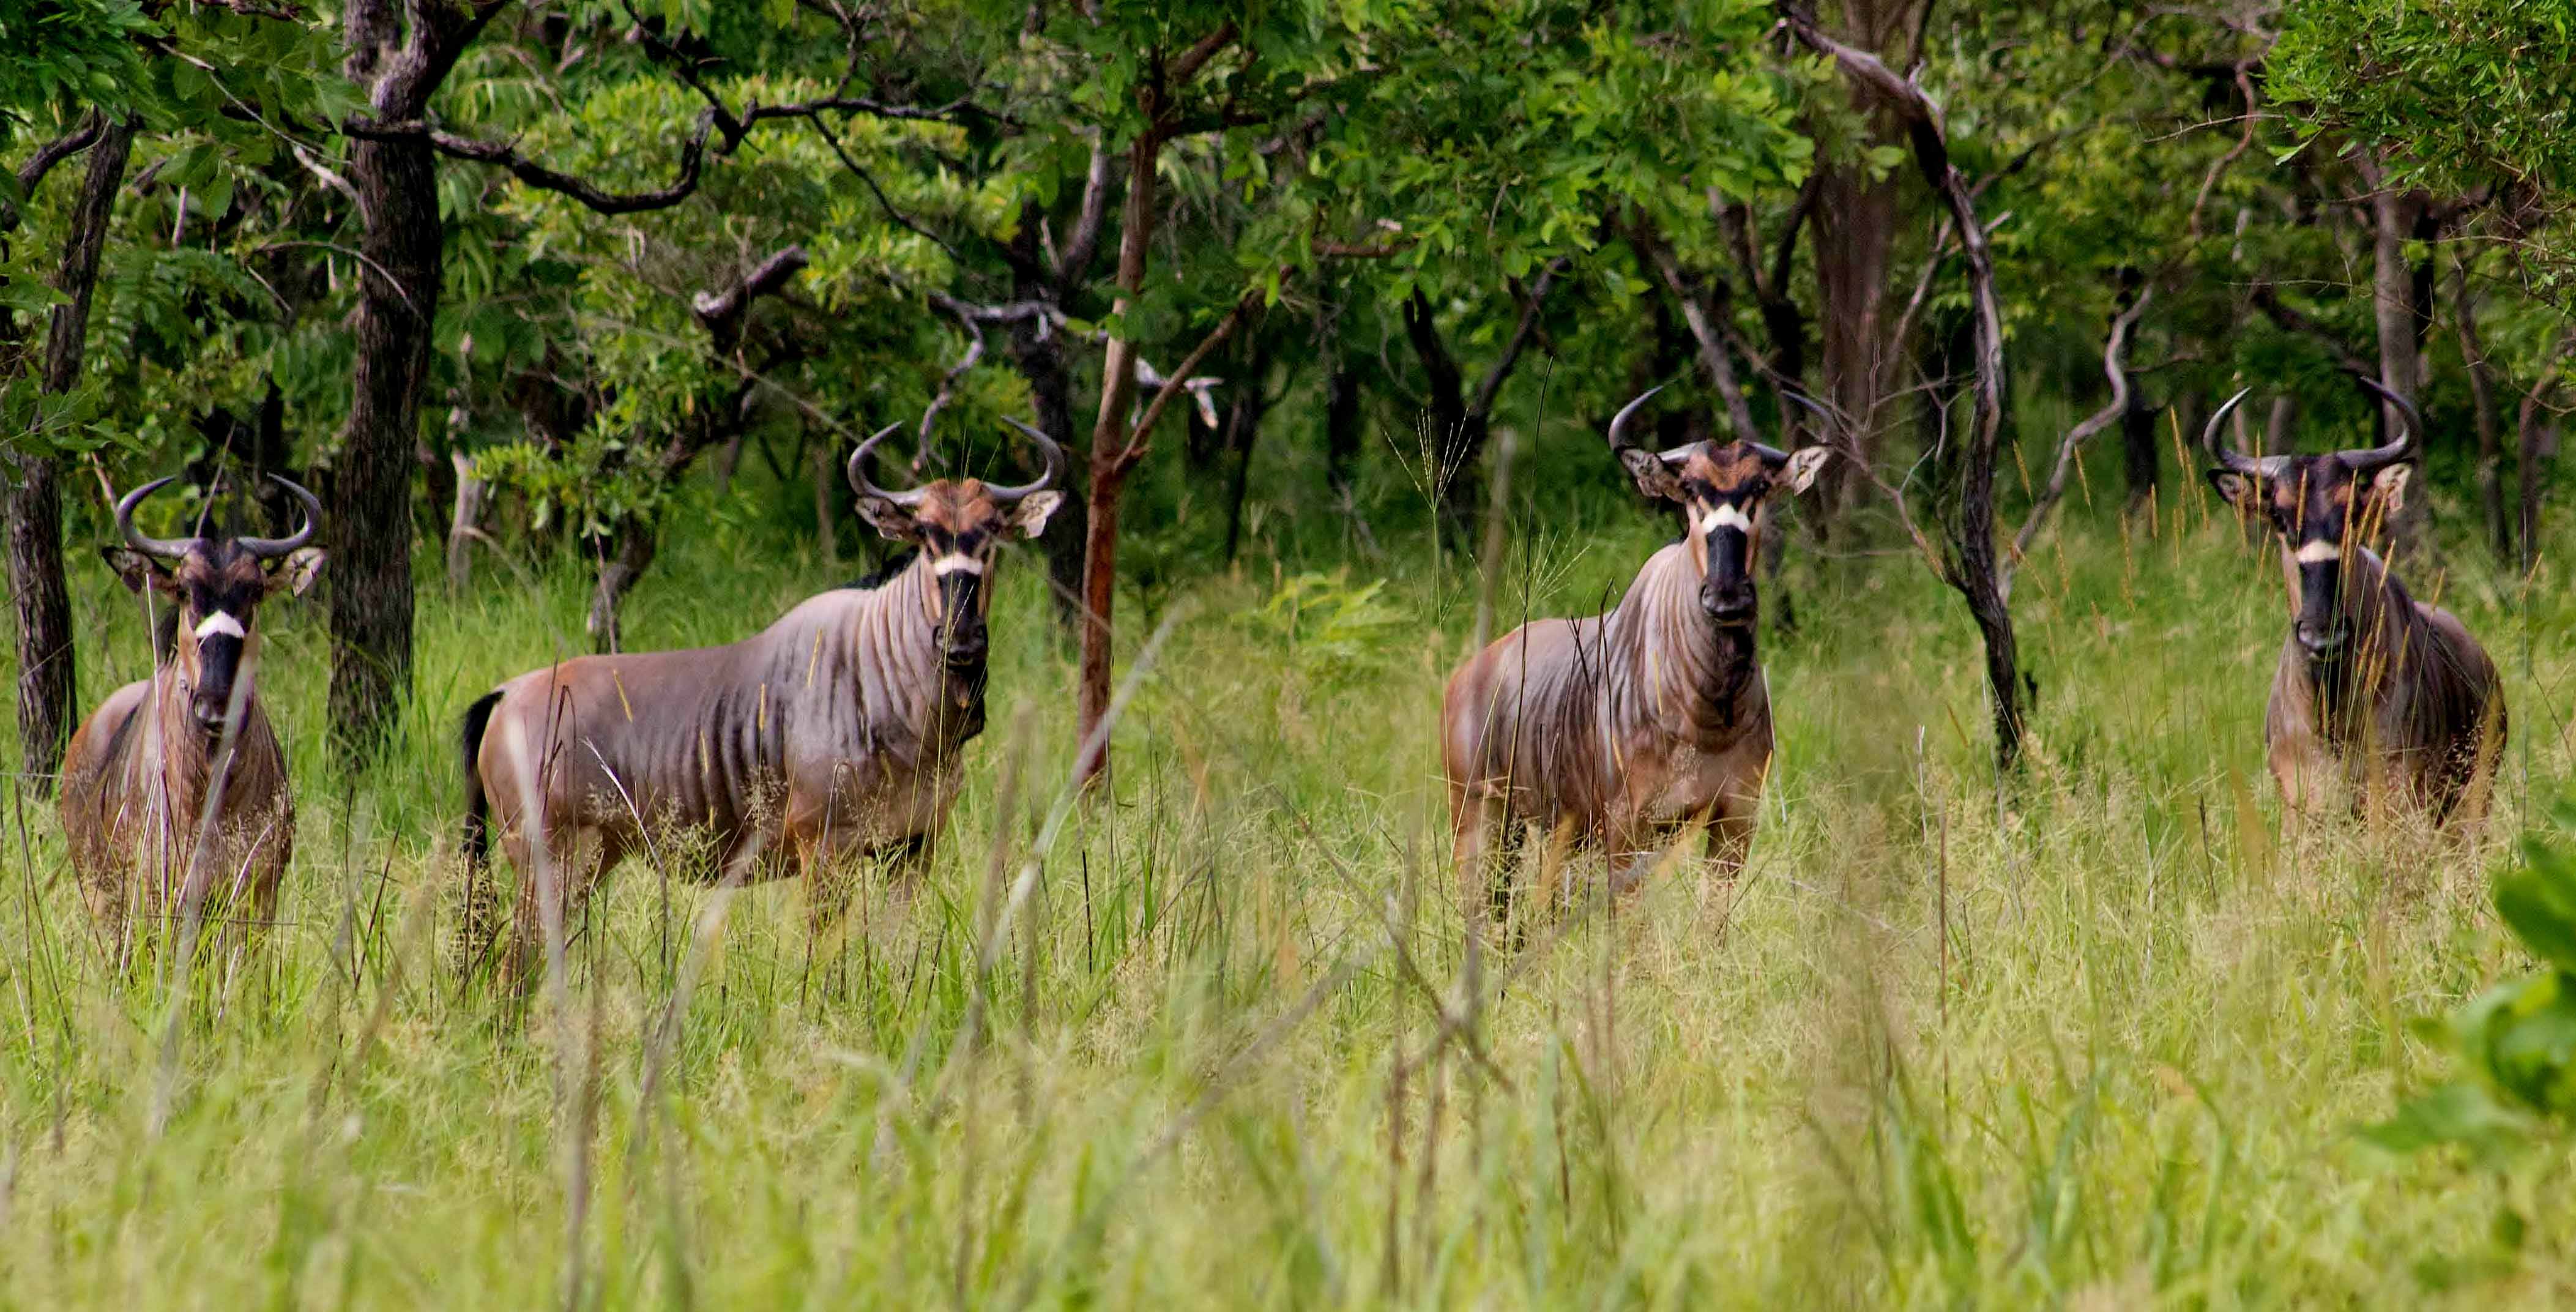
x=1616, y=730
x=138, y=773
x=835, y=732
x=2390, y=693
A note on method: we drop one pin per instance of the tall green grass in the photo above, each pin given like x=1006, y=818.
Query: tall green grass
x=2095, y=1037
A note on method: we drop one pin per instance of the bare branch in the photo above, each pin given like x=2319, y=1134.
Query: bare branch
x=1492, y=383
x=2217, y=170
x=1970, y=567
x=506, y=155
x=31, y=174
x=1196, y=57
x=1006, y=312
x=974, y=326
x=1345, y=250
x=330, y=177
x=1702, y=317
x=1179, y=378
x=721, y=313
x=901, y=220
x=2268, y=299
x=1075, y=260
x=2113, y=368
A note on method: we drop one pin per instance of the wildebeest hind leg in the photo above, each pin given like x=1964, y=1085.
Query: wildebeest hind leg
x=570, y=865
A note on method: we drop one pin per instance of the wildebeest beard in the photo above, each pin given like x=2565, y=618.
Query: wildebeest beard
x=1734, y=668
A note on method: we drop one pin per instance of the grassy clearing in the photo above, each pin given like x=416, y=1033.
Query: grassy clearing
x=2096, y=1041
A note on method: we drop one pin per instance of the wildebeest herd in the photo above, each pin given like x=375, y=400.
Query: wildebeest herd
x=836, y=732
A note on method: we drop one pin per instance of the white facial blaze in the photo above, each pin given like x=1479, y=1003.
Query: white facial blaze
x=1727, y=515
x=956, y=562
x=220, y=623
x=2317, y=553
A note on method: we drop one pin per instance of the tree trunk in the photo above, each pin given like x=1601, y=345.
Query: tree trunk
x=827, y=481
x=1109, y=467
x=1456, y=438
x=367, y=499
x=1856, y=222
x=466, y=522
x=1855, y=227
x=2532, y=472
x=1037, y=349
x=629, y=556
x=2401, y=359
x=33, y=501
x=1341, y=431
x=2139, y=457
x=2473, y=354
x=2278, y=440
x=1242, y=429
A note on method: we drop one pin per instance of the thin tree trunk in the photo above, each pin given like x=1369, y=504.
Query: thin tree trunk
x=1341, y=430
x=2278, y=439
x=2532, y=471
x=1968, y=519
x=1037, y=349
x=33, y=500
x=2473, y=353
x=1109, y=442
x=2140, y=457
x=1242, y=430
x=1452, y=447
x=465, y=523
x=1461, y=424
x=630, y=555
x=827, y=480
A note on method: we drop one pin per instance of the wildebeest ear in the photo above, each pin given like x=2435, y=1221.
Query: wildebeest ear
x=295, y=574
x=1654, y=477
x=1030, y=516
x=138, y=570
x=1804, y=464
x=2390, y=487
x=2233, y=488
x=888, y=518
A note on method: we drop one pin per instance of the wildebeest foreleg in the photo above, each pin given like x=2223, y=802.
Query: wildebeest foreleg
x=1730, y=832
x=1476, y=818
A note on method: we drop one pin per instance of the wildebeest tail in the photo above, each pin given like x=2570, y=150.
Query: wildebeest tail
x=478, y=808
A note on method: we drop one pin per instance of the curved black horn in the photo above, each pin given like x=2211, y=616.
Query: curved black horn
x=1054, y=465
x=1619, y=422
x=2266, y=467
x=858, y=471
x=165, y=548
x=2404, y=448
x=271, y=548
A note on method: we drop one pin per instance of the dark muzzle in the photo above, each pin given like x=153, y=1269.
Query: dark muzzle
x=2321, y=629
x=218, y=665
x=1727, y=593
x=963, y=639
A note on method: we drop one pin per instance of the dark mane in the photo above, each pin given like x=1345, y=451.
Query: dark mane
x=895, y=564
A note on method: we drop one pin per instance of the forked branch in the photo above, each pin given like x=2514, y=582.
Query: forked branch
x=2114, y=367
